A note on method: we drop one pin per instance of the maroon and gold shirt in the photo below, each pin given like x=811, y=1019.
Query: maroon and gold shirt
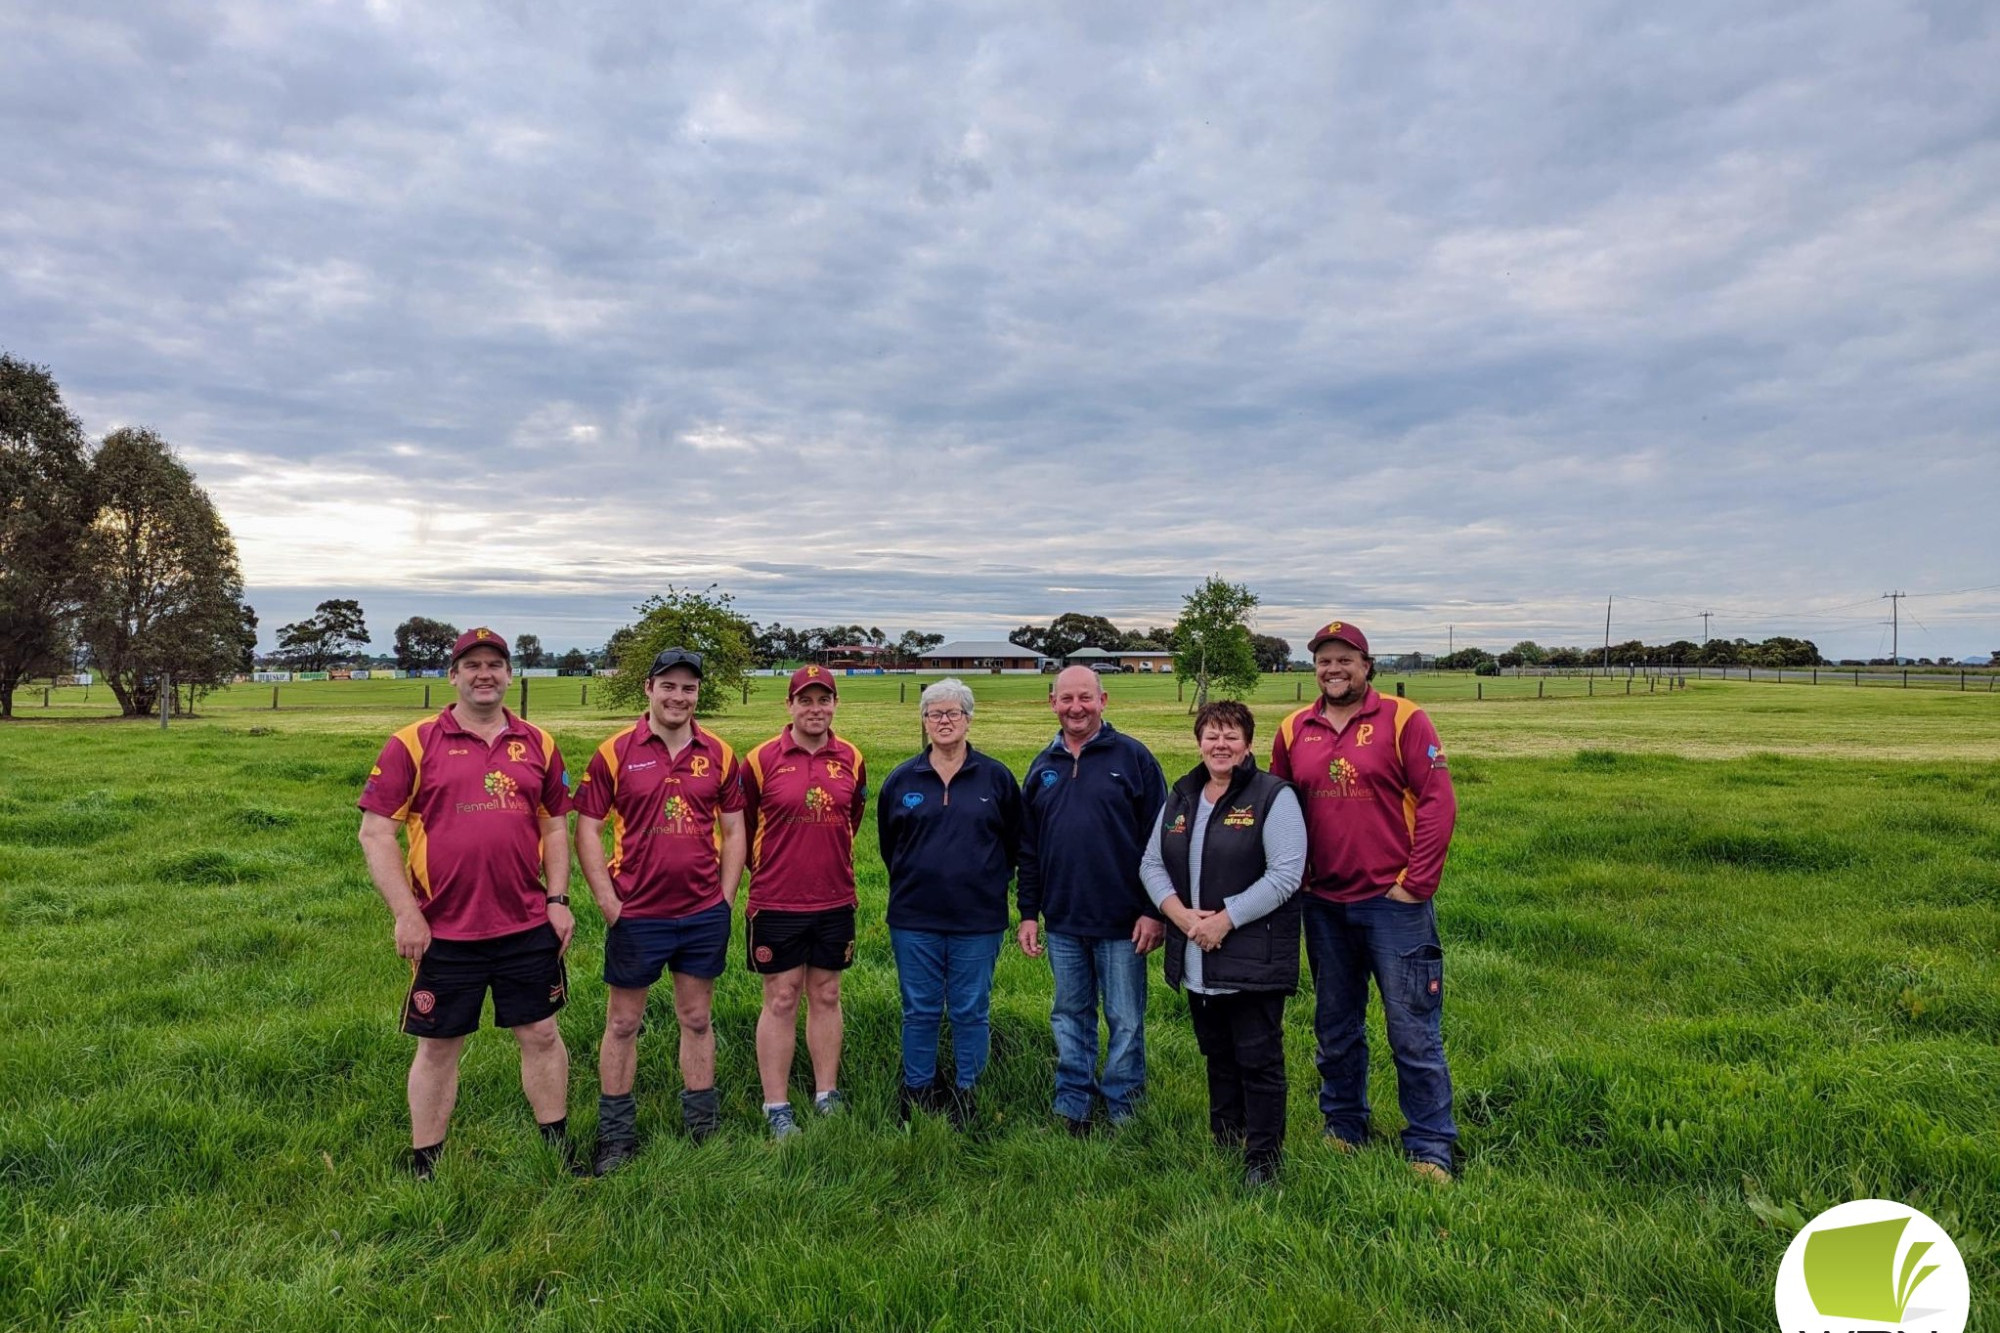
x=471, y=815
x=664, y=809
x=1377, y=796
x=803, y=808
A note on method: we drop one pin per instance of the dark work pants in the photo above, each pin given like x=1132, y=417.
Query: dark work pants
x=1242, y=1038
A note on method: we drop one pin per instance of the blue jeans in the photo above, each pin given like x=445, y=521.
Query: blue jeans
x=1088, y=971
x=1397, y=944
x=942, y=973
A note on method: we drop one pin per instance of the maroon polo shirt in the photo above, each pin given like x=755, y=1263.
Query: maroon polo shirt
x=663, y=810
x=803, y=808
x=471, y=814
x=1377, y=796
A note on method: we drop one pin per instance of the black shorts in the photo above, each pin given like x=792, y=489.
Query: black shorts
x=525, y=972
x=781, y=941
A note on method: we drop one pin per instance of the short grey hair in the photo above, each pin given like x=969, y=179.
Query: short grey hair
x=950, y=690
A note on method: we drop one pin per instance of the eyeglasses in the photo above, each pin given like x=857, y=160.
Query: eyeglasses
x=944, y=715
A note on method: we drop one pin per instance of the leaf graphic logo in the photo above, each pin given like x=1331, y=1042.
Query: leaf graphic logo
x=1874, y=1264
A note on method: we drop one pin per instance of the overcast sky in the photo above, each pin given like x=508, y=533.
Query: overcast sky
x=1425, y=315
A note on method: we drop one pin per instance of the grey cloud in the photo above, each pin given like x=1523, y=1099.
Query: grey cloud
x=1430, y=310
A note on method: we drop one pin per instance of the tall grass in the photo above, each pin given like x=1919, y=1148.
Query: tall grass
x=1710, y=971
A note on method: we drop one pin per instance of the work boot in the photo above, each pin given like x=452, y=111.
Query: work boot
x=701, y=1113
x=612, y=1154
x=1431, y=1173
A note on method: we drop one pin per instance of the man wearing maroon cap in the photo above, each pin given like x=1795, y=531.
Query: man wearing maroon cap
x=481, y=897
x=670, y=792
x=1379, y=812
x=804, y=792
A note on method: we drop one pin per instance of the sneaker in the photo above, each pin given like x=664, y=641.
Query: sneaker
x=779, y=1118
x=1260, y=1173
x=1344, y=1147
x=1430, y=1173
x=1078, y=1129
x=612, y=1154
x=830, y=1102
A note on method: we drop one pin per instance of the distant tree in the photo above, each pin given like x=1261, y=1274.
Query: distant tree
x=575, y=662
x=911, y=645
x=45, y=513
x=1032, y=637
x=329, y=637
x=1563, y=657
x=684, y=617
x=246, y=661
x=528, y=651
x=1468, y=659
x=1212, y=645
x=423, y=644
x=1273, y=654
x=163, y=595
x=1526, y=653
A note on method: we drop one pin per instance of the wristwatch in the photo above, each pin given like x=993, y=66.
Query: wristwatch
x=560, y=900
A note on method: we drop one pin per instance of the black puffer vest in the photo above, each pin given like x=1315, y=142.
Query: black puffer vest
x=1264, y=955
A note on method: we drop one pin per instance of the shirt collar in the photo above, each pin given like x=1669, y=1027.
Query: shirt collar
x=787, y=741
x=643, y=729
x=449, y=717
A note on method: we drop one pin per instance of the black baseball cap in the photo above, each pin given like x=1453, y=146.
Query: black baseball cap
x=670, y=658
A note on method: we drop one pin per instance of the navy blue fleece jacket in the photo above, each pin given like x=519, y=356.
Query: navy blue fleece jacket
x=1085, y=820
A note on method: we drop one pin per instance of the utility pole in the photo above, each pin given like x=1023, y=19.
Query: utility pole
x=1450, y=640
x=1607, y=633
x=1704, y=627
x=1895, y=628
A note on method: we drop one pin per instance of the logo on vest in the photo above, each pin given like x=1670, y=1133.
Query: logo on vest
x=1178, y=826
x=1240, y=816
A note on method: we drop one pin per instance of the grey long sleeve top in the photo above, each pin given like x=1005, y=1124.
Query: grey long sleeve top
x=1284, y=867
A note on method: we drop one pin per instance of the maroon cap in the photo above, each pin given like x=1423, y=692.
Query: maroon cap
x=1348, y=634
x=814, y=674
x=480, y=637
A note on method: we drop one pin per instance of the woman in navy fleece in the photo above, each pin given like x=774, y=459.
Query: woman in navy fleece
x=950, y=826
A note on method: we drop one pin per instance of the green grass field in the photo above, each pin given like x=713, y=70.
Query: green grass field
x=1717, y=959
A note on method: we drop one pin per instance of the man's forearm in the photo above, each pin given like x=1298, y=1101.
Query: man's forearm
x=385, y=868
x=555, y=855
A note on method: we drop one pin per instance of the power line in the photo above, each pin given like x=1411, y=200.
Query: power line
x=1895, y=627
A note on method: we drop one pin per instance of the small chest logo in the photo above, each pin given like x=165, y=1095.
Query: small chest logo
x=1364, y=734
x=1178, y=826
x=1048, y=777
x=517, y=751
x=1343, y=775
x=1240, y=816
x=833, y=769
x=699, y=765
x=819, y=802
x=912, y=799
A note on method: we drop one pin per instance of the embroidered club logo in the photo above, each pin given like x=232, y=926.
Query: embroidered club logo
x=1179, y=825
x=423, y=1001
x=1364, y=733
x=763, y=953
x=517, y=750
x=676, y=814
x=833, y=769
x=699, y=765
x=502, y=788
x=1436, y=754
x=1240, y=816
x=1048, y=777
x=912, y=799
x=1343, y=775
x=1870, y=1263
x=819, y=802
